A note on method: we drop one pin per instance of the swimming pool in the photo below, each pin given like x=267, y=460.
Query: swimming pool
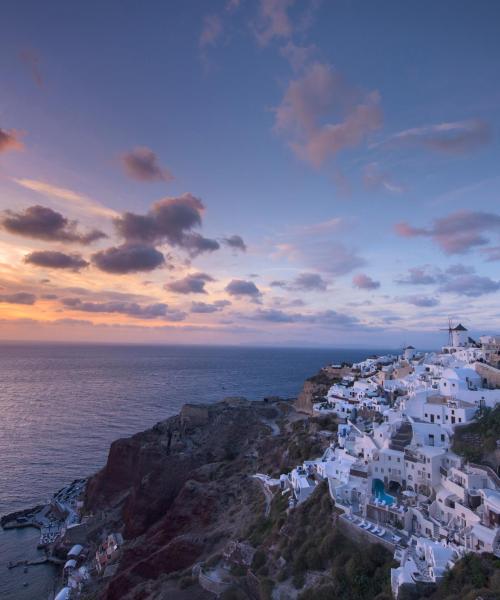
x=379, y=492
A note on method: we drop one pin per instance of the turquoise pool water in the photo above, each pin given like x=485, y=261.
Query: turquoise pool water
x=380, y=493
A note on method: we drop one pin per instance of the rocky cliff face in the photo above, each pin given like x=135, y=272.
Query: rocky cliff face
x=182, y=489
x=317, y=386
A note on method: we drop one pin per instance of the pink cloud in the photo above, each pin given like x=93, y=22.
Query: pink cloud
x=365, y=282
x=10, y=140
x=211, y=31
x=321, y=114
x=274, y=21
x=298, y=56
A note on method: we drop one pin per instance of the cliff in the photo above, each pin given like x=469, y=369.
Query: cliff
x=182, y=490
x=316, y=387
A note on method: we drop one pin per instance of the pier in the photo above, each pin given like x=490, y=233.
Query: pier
x=36, y=561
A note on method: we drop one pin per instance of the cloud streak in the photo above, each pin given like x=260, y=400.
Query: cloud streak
x=130, y=309
x=80, y=201
x=457, y=137
x=24, y=298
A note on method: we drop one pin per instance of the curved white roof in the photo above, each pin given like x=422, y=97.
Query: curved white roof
x=70, y=564
x=76, y=550
x=63, y=594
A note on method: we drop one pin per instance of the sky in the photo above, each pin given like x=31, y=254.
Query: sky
x=249, y=172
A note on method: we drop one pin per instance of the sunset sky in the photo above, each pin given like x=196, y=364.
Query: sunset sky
x=278, y=172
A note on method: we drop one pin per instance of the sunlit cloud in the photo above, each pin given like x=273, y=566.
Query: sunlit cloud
x=10, y=140
x=80, y=201
x=321, y=114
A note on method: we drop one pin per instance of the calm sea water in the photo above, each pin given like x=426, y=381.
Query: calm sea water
x=62, y=405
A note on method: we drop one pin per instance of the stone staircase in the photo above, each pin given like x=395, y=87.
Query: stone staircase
x=402, y=437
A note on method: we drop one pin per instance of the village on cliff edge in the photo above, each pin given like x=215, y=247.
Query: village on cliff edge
x=390, y=469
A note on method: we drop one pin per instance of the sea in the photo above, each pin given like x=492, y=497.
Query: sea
x=61, y=405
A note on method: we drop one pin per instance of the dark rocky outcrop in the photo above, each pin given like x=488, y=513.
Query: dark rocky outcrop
x=316, y=387
x=181, y=490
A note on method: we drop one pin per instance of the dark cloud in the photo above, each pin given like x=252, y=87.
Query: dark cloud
x=128, y=258
x=471, y=286
x=492, y=254
x=43, y=223
x=304, y=282
x=364, y=282
x=56, y=260
x=240, y=287
x=458, y=232
x=309, y=282
x=428, y=275
x=18, y=298
x=171, y=221
x=191, y=284
x=49, y=296
x=203, y=307
x=196, y=244
x=418, y=300
x=131, y=309
x=10, y=140
x=329, y=318
x=459, y=269
x=142, y=164
x=274, y=316
x=235, y=242
x=419, y=276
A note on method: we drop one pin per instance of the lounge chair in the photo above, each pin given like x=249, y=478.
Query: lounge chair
x=382, y=532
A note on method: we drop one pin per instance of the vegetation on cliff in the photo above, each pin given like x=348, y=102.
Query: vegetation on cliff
x=477, y=441
x=473, y=577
